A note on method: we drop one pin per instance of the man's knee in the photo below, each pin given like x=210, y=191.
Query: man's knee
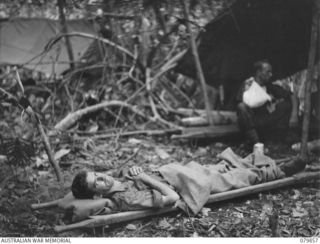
x=285, y=106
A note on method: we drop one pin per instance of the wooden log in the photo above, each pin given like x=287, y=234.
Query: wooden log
x=218, y=119
x=195, y=121
x=103, y=220
x=207, y=132
x=201, y=112
x=312, y=146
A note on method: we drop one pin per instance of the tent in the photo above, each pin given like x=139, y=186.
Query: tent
x=251, y=30
x=23, y=39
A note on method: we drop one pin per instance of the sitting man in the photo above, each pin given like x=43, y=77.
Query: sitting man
x=272, y=113
x=193, y=182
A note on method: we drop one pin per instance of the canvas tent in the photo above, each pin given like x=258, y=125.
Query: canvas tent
x=23, y=39
x=251, y=30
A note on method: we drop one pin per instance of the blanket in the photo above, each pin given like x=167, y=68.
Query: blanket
x=195, y=182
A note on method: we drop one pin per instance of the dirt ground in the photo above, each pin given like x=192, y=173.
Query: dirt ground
x=297, y=207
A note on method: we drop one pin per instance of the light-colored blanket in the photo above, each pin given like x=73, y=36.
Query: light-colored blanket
x=195, y=182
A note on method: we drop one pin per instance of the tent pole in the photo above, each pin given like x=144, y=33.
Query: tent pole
x=197, y=62
x=64, y=30
x=309, y=79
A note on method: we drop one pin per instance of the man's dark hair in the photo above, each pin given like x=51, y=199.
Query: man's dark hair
x=259, y=64
x=79, y=186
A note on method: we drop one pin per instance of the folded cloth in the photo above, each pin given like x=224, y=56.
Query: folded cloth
x=79, y=209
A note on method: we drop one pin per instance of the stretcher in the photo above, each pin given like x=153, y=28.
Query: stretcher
x=109, y=219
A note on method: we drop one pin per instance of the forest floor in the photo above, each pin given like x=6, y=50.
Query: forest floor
x=297, y=206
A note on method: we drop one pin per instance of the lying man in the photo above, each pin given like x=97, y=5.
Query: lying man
x=271, y=113
x=193, y=182
x=125, y=194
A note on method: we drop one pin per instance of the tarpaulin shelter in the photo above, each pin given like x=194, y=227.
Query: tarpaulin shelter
x=24, y=39
x=251, y=30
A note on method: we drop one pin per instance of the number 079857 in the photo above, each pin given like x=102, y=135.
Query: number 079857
x=309, y=240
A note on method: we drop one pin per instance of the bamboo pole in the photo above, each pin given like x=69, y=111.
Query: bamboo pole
x=309, y=78
x=197, y=61
x=64, y=30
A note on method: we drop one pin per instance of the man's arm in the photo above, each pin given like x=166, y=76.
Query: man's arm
x=278, y=92
x=169, y=196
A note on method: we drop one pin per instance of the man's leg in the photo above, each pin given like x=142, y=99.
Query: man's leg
x=277, y=120
x=246, y=123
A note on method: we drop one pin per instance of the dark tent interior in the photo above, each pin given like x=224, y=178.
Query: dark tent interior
x=250, y=30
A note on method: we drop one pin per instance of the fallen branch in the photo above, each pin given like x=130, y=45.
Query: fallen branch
x=170, y=64
x=131, y=133
x=72, y=118
x=156, y=116
x=103, y=220
x=118, y=16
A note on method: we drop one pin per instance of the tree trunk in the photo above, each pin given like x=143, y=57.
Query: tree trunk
x=64, y=30
x=197, y=61
x=309, y=78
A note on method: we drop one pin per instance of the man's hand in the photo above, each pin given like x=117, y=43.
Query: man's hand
x=135, y=172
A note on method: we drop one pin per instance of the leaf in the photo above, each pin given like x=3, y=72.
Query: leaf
x=298, y=213
x=163, y=224
x=308, y=203
x=238, y=215
x=61, y=153
x=296, y=194
x=11, y=186
x=93, y=127
x=237, y=221
x=285, y=211
x=205, y=212
x=134, y=141
x=304, y=232
x=162, y=153
x=131, y=227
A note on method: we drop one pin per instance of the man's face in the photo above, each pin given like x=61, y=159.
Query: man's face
x=99, y=183
x=265, y=73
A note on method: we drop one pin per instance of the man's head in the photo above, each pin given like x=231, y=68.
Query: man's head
x=86, y=184
x=263, y=71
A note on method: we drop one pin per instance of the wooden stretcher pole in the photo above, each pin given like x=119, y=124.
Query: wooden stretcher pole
x=102, y=220
x=51, y=204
